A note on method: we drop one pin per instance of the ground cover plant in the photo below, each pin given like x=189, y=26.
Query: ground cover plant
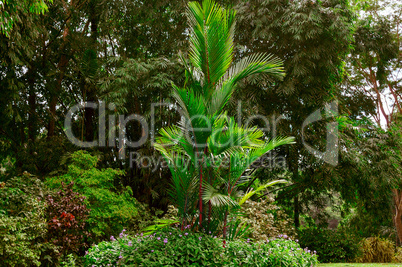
x=358, y=264
x=174, y=247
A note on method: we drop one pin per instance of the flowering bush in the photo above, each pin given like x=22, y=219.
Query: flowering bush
x=281, y=251
x=172, y=247
x=169, y=247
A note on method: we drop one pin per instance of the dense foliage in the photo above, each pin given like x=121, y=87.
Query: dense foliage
x=173, y=247
x=111, y=206
x=331, y=245
x=23, y=224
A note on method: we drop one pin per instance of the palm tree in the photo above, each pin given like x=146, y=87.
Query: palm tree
x=208, y=151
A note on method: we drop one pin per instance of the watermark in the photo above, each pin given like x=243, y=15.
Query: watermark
x=112, y=132
x=268, y=161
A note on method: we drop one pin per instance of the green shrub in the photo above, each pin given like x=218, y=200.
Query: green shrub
x=169, y=247
x=266, y=220
x=331, y=245
x=23, y=223
x=172, y=247
x=375, y=249
x=112, y=206
x=273, y=253
x=70, y=261
x=106, y=253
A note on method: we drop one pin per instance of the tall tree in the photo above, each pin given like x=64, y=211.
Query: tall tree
x=375, y=63
x=206, y=138
x=374, y=68
x=313, y=38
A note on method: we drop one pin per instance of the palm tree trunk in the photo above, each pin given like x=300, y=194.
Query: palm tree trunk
x=225, y=222
x=200, y=188
x=209, y=212
x=200, y=200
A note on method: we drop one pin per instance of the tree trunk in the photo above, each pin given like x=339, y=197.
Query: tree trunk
x=55, y=95
x=61, y=66
x=32, y=121
x=225, y=222
x=200, y=201
x=296, y=212
x=296, y=205
x=398, y=212
x=90, y=89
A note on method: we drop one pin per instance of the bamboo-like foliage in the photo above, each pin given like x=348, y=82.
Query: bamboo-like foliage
x=209, y=151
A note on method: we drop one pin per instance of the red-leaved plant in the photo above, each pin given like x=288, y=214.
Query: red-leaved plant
x=67, y=215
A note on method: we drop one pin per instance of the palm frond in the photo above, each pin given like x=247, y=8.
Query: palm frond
x=211, y=40
x=184, y=186
x=252, y=192
x=228, y=137
x=159, y=224
x=216, y=198
x=194, y=109
x=241, y=161
x=254, y=64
